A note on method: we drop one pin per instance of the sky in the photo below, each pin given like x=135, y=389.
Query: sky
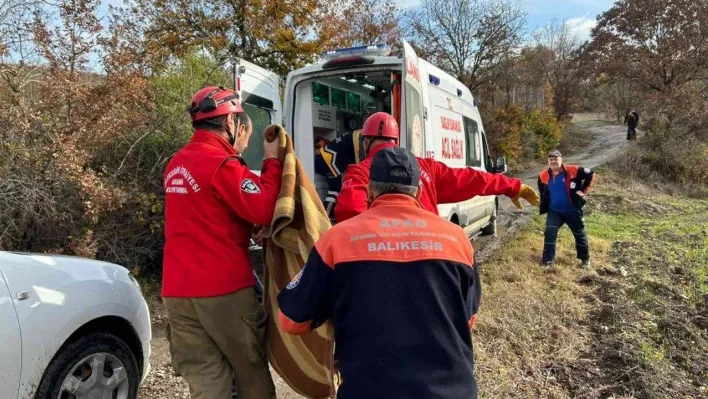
x=580, y=15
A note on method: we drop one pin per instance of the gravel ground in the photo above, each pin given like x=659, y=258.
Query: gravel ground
x=162, y=383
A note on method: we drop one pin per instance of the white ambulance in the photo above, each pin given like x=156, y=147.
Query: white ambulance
x=437, y=114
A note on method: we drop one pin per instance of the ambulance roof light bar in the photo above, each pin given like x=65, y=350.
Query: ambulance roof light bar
x=378, y=50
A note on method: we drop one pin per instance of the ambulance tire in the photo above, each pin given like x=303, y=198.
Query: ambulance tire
x=491, y=228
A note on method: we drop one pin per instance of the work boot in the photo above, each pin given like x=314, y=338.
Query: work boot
x=547, y=266
x=585, y=264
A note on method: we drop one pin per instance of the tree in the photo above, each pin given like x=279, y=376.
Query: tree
x=279, y=35
x=381, y=23
x=619, y=96
x=468, y=38
x=658, y=45
x=560, y=65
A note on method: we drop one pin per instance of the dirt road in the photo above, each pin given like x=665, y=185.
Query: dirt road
x=162, y=383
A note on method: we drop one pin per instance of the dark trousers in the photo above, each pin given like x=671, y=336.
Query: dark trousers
x=631, y=132
x=554, y=221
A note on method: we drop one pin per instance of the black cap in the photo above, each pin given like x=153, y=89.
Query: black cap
x=555, y=153
x=395, y=165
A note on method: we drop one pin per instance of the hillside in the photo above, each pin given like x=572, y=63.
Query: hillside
x=635, y=326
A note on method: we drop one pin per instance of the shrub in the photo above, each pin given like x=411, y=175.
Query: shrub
x=674, y=148
x=522, y=135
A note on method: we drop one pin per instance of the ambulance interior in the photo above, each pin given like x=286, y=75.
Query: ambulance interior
x=341, y=104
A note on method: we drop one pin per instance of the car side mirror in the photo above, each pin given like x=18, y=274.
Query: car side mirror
x=500, y=165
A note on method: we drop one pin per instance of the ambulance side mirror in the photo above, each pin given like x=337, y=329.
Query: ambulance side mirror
x=500, y=165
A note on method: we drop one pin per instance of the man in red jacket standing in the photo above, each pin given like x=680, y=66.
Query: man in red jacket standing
x=212, y=202
x=440, y=184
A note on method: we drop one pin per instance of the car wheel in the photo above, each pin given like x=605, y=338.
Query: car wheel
x=491, y=228
x=96, y=365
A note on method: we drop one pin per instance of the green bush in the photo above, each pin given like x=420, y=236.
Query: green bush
x=142, y=161
x=522, y=135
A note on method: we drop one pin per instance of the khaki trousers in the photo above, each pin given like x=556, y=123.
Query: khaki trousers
x=213, y=338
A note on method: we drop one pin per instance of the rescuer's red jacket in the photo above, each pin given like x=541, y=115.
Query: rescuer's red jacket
x=212, y=201
x=440, y=183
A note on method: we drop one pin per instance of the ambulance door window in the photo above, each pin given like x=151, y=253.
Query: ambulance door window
x=339, y=98
x=487, y=158
x=320, y=93
x=353, y=102
x=414, y=122
x=471, y=133
x=260, y=118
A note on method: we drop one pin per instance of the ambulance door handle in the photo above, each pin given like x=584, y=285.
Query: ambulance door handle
x=425, y=113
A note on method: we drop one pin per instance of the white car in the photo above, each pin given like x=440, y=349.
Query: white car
x=70, y=328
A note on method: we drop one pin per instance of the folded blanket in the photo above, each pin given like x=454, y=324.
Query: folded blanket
x=304, y=362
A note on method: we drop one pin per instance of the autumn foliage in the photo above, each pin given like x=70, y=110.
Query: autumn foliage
x=59, y=122
x=657, y=53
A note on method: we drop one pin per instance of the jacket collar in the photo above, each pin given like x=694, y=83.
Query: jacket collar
x=378, y=148
x=213, y=139
x=550, y=172
x=395, y=200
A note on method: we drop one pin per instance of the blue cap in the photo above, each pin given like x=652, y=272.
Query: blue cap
x=395, y=165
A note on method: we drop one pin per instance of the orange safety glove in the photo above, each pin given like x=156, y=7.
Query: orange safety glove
x=527, y=193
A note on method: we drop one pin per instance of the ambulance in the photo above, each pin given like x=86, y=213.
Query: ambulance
x=437, y=114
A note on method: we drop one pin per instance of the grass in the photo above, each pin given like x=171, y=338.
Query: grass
x=635, y=326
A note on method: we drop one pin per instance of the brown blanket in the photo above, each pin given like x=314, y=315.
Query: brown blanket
x=304, y=362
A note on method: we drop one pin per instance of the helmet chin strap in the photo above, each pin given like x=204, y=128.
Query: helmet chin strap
x=232, y=138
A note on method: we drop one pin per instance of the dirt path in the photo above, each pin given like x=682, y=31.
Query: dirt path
x=162, y=382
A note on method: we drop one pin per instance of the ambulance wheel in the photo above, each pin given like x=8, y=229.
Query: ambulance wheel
x=491, y=228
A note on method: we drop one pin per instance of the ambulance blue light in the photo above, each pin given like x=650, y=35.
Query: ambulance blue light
x=434, y=80
x=380, y=50
x=459, y=92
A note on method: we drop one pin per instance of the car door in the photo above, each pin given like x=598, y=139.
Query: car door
x=259, y=93
x=10, y=343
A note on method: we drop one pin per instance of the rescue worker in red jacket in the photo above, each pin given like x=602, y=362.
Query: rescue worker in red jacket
x=440, y=184
x=563, y=188
x=213, y=201
x=402, y=293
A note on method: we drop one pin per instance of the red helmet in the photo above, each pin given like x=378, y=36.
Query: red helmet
x=213, y=101
x=381, y=125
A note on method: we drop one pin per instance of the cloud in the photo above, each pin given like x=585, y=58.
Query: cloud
x=406, y=4
x=581, y=27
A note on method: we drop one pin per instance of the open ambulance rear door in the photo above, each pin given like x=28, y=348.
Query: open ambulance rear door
x=259, y=93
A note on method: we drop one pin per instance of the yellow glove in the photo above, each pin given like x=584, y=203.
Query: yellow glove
x=527, y=193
